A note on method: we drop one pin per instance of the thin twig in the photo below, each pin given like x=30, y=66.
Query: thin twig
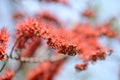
x=7, y=57
x=14, y=46
x=38, y=59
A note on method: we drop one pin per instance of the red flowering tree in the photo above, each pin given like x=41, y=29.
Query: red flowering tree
x=45, y=30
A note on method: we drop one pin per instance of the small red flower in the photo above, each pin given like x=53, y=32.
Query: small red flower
x=88, y=13
x=18, y=16
x=47, y=16
x=81, y=66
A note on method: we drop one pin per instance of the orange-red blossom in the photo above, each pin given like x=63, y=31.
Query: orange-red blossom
x=82, y=40
x=4, y=36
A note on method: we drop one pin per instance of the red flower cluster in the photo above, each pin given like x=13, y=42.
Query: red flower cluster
x=26, y=31
x=81, y=40
x=4, y=36
x=7, y=75
x=104, y=29
x=17, y=16
x=30, y=47
x=81, y=66
x=45, y=71
x=88, y=13
x=46, y=16
x=61, y=41
x=88, y=48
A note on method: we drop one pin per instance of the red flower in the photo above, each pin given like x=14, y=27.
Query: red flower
x=30, y=47
x=4, y=36
x=25, y=31
x=88, y=13
x=47, y=16
x=7, y=75
x=18, y=16
x=45, y=70
x=81, y=66
x=82, y=40
x=106, y=30
x=28, y=28
x=55, y=38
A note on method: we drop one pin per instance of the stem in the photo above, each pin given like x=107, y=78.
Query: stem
x=37, y=59
x=14, y=46
x=28, y=59
x=5, y=63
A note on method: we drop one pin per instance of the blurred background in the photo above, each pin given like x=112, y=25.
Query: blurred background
x=68, y=13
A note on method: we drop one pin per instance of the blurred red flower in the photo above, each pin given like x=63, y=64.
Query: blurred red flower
x=4, y=36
